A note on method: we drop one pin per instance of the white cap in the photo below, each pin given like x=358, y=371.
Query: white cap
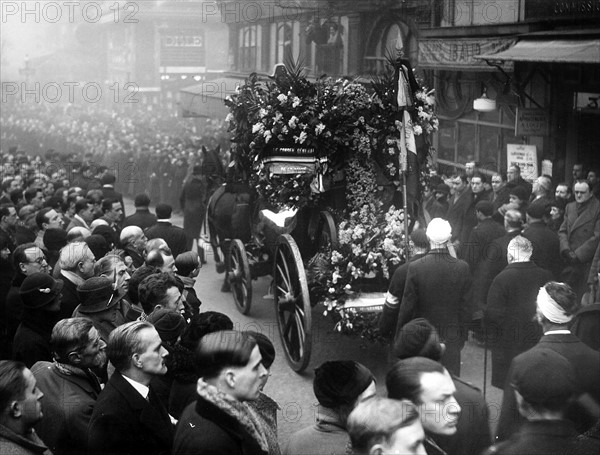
x=439, y=230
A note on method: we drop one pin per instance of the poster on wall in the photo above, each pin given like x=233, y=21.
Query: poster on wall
x=526, y=157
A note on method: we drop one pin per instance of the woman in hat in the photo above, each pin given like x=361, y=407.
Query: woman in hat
x=41, y=295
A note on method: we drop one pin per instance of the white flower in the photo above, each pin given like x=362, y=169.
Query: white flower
x=282, y=98
x=258, y=127
x=300, y=139
x=319, y=128
x=293, y=122
x=229, y=117
x=417, y=130
x=267, y=134
x=296, y=102
x=262, y=112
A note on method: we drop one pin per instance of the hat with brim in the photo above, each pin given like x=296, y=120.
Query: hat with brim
x=97, y=294
x=39, y=290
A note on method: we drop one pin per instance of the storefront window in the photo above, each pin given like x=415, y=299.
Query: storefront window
x=248, y=40
x=284, y=42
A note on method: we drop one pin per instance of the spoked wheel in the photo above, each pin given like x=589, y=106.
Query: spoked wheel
x=327, y=231
x=292, y=303
x=239, y=277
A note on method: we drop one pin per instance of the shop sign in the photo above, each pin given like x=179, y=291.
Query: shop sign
x=561, y=9
x=460, y=53
x=587, y=102
x=182, y=48
x=531, y=122
x=526, y=157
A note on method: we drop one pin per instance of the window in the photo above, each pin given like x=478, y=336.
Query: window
x=283, y=40
x=249, y=48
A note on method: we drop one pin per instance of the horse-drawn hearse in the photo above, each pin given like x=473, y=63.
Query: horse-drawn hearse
x=313, y=182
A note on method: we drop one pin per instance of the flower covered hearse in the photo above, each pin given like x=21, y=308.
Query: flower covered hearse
x=347, y=149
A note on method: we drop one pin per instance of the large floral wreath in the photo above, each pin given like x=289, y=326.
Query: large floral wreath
x=353, y=128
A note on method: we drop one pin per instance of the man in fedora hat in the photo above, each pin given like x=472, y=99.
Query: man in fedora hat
x=41, y=296
x=101, y=303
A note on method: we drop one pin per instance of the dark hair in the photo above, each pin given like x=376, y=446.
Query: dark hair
x=5, y=209
x=138, y=276
x=69, y=335
x=19, y=253
x=219, y=350
x=12, y=382
x=462, y=176
x=6, y=184
x=94, y=196
x=80, y=205
x=142, y=200
x=163, y=211
x=403, y=381
x=54, y=202
x=41, y=218
x=202, y=324
x=265, y=346
x=107, y=204
x=30, y=193
x=108, y=179
x=152, y=290
x=123, y=342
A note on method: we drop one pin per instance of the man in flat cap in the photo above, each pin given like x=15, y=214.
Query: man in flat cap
x=339, y=387
x=556, y=306
x=543, y=383
x=447, y=303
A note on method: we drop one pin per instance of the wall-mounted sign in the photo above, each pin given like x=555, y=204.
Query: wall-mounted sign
x=561, y=9
x=531, y=122
x=526, y=157
x=460, y=53
x=588, y=103
x=181, y=48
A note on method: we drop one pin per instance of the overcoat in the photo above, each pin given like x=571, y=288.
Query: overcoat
x=124, y=423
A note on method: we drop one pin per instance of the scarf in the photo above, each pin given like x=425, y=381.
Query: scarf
x=240, y=411
x=71, y=370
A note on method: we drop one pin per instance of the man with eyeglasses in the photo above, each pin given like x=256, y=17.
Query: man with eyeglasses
x=579, y=236
x=27, y=260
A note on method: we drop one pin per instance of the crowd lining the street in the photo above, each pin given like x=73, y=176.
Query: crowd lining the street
x=106, y=348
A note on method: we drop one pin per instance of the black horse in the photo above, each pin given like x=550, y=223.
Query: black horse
x=229, y=217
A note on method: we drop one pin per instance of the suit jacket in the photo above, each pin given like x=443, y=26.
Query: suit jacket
x=509, y=314
x=438, y=288
x=457, y=214
x=545, y=243
x=581, y=233
x=141, y=218
x=124, y=423
x=70, y=299
x=586, y=365
x=173, y=235
x=68, y=403
x=541, y=437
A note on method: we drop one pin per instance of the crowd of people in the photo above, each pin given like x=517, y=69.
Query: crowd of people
x=105, y=348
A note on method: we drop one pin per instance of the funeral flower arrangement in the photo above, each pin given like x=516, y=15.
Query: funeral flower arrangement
x=352, y=129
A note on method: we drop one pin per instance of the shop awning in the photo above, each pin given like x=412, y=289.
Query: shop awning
x=550, y=51
x=207, y=98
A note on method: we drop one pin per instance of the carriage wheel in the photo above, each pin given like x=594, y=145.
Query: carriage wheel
x=292, y=303
x=327, y=231
x=239, y=277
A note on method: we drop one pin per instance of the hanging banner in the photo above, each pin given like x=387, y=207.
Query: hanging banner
x=531, y=122
x=459, y=54
x=525, y=156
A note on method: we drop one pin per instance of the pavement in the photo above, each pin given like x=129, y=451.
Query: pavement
x=293, y=391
